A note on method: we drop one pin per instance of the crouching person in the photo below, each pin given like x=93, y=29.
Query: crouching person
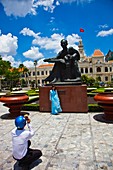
x=21, y=143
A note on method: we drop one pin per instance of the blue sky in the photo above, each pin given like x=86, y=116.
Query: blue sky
x=32, y=29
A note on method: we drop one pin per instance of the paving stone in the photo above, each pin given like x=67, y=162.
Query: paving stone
x=69, y=141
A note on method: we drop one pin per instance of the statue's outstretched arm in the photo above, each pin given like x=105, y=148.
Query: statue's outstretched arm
x=52, y=60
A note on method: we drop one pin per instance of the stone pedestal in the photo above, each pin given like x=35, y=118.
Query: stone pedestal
x=72, y=98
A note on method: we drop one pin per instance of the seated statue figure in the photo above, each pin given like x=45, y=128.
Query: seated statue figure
x=66, y=65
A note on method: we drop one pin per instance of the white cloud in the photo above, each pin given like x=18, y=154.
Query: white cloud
x=103, y=26
x=27, y=31
x=52, y=19
x=67, y=1
x=72, y=39
x=21, y=8
x=105, y=33
x=55, y=29
x=47, y=4
x=57, y=3
x=52, y=43
x=28, y=63
x=8, y=44
x=77, y=1
x=33, y=53
x=11, y=60
x=41, y=62
x=18, y=7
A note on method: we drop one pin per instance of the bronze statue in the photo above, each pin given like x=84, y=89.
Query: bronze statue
x=66, y=66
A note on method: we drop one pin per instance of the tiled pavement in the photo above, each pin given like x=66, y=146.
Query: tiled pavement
x=69, y=141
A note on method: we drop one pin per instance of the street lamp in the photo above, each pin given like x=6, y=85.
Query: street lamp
x=35, y=64
x=29, y=74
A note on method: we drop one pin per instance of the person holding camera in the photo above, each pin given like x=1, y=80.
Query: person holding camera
x=21, y=143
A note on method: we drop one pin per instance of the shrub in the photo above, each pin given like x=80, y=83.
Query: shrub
x=94, y=108
x=32, y=93
x=35, y=107
x=30, y=107
x=99, y=90
x=90, y=94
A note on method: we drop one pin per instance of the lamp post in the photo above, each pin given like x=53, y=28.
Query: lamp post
x=29, y=74
x=35, y=64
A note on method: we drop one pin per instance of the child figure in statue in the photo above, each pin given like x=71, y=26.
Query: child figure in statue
x=55, y=101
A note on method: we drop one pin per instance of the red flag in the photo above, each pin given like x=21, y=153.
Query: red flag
x=81, y=30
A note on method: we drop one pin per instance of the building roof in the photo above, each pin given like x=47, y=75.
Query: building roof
x=46, y=65
x=19, y=69
x=109, y=56
x=97, y=53
x=110, y=61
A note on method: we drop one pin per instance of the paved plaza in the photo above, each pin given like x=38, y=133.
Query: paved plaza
x=69, y=141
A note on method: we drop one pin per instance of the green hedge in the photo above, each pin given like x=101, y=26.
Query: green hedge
x=31, y=107
x=94, y=108
x=90, y=94
x=32, y=93
x=35, y=107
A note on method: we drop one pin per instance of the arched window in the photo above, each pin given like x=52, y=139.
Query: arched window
x=106, y=69
x=98, y=69
x=38, y=73
x=42, y=72
x=91, y=70
x=86, y=70
x=106, y=78
x=29, y=73
x=81, y=70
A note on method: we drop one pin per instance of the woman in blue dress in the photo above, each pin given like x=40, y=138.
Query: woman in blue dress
x=55, y=101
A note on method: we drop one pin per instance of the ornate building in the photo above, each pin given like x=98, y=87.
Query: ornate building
x=96, y=66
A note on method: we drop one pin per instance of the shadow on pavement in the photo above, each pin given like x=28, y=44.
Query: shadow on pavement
x=34, y=164
x=101, y=118
x=9, y=116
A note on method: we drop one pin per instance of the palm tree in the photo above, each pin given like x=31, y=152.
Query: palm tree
x=23, y=71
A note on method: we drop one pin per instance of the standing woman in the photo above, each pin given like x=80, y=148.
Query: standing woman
x=55, y=101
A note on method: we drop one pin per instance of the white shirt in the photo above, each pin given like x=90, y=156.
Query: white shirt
x=20, y=141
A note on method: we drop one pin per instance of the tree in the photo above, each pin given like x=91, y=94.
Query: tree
x=84, y=79
x=88, y=80
x=91, y=81
x=4, y=66
x=98, y=78
x=23, y=68
x=23, y=73
x=12, y=76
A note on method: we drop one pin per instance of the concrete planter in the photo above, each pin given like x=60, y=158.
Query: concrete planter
x=105, y=100
x=14, y=102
